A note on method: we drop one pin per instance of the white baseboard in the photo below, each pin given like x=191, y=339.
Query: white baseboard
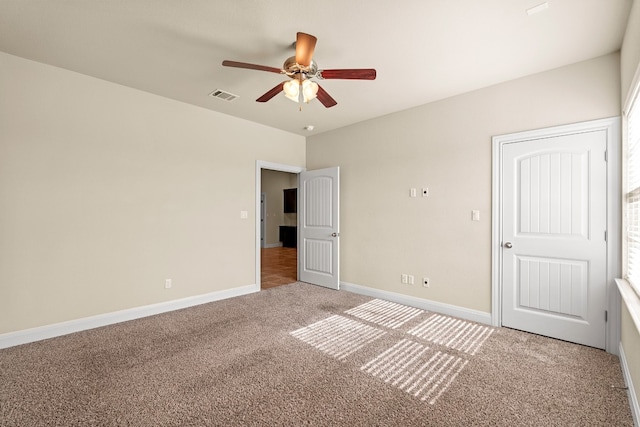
x=437, y=307
x=57, y=329
x=633, y=397
x=273, y=245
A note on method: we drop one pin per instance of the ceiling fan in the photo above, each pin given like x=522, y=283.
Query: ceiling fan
x=301, y=68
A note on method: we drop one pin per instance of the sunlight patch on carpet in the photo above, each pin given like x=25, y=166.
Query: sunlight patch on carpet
x=385, y=313
x=415, y=369
x=338, y=336
x=453, y=333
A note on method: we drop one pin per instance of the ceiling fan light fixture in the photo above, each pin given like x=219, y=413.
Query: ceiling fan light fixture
x=309, y=90
x=292, y=90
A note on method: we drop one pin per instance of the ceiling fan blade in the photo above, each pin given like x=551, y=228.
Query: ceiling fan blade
x=273, y=92
x=325, y=98
x=237, y=64
x=349, y=73
x=305, y=45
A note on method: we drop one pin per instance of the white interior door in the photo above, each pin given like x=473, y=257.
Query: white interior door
x=319, y=227
x=554, y=237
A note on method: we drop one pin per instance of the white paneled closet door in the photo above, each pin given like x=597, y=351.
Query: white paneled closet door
x=319, y=240
x=554, y=237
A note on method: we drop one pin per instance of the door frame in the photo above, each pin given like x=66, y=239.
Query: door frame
x=614, y=211
x=263, y=218
x=260, y=164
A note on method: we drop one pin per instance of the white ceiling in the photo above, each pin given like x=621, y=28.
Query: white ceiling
x=423, y=50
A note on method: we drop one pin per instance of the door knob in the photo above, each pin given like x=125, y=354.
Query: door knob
x=508, y=245
x=334, y=234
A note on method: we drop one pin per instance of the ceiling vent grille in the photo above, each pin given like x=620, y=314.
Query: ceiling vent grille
x=224, y=95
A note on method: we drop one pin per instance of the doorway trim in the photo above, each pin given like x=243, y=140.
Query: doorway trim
x=263, y=219
x=614, y=211
x=260, y=164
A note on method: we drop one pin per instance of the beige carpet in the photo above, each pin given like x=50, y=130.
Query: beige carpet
x=303, y=355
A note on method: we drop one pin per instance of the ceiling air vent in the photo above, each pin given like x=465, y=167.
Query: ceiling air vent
x=225, y=96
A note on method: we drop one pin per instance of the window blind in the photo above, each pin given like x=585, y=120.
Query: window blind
x=632, y=205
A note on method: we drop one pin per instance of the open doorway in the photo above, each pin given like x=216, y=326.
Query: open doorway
x=279, y=224
x=318, y=204
x=276, y=245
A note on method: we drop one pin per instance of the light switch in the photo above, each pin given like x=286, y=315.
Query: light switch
x=244, y=214
x=414, y=192
x=475, y=215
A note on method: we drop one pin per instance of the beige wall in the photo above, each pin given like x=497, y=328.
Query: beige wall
x=445, y=146
x=105, y=191
x=273, y=182
x=630, y=66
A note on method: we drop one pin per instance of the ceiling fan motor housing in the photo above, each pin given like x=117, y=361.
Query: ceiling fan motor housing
x=294, y=70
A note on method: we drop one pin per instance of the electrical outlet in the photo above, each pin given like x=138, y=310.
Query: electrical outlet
x=425, y=282
x=404, y=278
x=167, y=284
